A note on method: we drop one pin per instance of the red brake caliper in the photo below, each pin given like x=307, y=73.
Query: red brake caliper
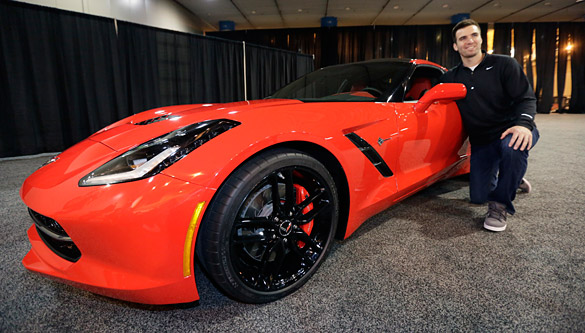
x=303, y=194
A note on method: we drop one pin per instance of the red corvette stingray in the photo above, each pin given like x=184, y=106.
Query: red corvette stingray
x=255, y=190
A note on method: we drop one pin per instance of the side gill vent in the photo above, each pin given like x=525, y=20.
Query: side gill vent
x=156, y=120
x=371, y=154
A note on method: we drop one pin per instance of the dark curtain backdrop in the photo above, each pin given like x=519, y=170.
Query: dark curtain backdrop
x=139, y=64
x=348, y=44
x=546, y=34
x=47, y=102
x=65, y=75
x=262, y=63
x=564, y=33
x=523, y=48
x=502, y=38
x=338, y=45
x=577, y=103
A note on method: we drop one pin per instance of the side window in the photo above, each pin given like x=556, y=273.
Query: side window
x=421, y=81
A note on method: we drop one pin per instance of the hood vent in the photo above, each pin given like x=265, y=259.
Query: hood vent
x=157, y=119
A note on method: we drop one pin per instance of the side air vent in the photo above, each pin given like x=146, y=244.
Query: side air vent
x=156, y=120
x=371, y=154
x=55, y=237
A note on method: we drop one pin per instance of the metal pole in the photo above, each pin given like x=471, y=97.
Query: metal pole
x=245, y=78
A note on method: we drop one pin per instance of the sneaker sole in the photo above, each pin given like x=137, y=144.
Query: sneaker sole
x=492, y=228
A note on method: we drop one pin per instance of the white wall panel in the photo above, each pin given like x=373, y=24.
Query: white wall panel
x=157, y=13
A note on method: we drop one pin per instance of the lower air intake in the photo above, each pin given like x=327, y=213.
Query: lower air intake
x=55, y=237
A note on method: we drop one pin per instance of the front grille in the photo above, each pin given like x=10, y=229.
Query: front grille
x=55, y=237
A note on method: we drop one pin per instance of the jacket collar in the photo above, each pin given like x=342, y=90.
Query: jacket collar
x=480, y=65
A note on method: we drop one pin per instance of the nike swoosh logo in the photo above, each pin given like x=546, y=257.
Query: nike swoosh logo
x=488, y=68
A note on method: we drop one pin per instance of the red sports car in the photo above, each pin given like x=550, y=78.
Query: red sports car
x=257, y=191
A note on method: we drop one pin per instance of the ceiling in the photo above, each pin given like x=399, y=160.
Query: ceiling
x=274, y=14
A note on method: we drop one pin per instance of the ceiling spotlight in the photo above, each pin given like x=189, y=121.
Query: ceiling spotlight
x=347, y=8
x=396, y=7
x=446, y=5
x=299, y=10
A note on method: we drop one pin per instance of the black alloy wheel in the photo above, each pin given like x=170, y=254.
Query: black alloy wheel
x=269, y=227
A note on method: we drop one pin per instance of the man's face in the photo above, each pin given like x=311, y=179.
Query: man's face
x=468, y=41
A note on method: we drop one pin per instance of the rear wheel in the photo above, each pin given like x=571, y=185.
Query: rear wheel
x=269, y=227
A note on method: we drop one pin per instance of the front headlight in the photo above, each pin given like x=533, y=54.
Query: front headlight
x=151, y=157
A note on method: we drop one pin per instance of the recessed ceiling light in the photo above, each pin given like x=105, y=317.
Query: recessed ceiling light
x=253, y=12
x=299, y=10
x=446, y=5
x=497, y=4
x=347, y=8
x=547, y=3
x=396, y=7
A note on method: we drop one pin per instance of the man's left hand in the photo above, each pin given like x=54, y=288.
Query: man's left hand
x=521, y=137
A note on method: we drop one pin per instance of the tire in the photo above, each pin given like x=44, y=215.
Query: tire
x=269, y=226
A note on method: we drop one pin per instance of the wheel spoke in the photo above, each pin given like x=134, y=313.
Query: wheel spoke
x=306, y=218
x=273, y=267
x=289, y=197
x=304, y=254
x=250, y=238
x=255, y=222
x=302, y=236
x=301, y=206
x=273, y=180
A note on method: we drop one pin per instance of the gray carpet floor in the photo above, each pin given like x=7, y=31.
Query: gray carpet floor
x=425, y=264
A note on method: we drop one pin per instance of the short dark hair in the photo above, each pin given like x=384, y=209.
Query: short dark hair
x=463, y=24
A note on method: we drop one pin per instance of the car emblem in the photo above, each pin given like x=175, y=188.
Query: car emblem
x=285, y=228
x=381, y=141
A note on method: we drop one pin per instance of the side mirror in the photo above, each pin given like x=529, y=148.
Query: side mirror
x=441, y=93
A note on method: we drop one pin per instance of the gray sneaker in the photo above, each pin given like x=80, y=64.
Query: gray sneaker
x=496, y=217
x=525, y=186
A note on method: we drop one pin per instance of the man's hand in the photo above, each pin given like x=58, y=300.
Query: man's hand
x=521, y=137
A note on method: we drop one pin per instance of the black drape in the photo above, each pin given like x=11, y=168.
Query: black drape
x=502, y=38
x=261, y=63
x=47, y=102
x=564, y=33
x=139, y=64
x=354, y=44
x=523, y=48
x=329, y=45
x=335, y=45
x=440, y=48
x=577, y=103
x=167, y=67
x=65, y=75
x=546, y=34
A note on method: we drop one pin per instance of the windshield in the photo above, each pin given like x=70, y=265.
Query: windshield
x=359, y=82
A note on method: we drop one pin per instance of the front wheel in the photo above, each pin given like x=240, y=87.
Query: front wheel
x=269, y=227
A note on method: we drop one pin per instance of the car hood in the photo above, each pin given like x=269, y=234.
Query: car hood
x=147, y=125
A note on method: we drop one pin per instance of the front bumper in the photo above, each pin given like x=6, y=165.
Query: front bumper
x=132, y=237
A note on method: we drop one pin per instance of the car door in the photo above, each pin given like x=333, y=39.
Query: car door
x=430, y=140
